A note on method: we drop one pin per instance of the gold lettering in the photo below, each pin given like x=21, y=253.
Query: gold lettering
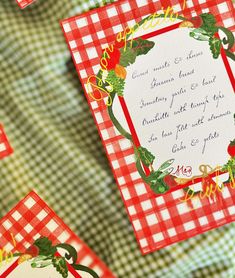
x=188, y=196
x=120, y=37
x=210, y=191
x=148, y=22
x=104, y=63
x=128, y=33
x=131, y=32
x=98, y=85
x=158, y=20
x=173, y=16
x=167, y=12
x=2, y=251
x=5, y=256
x=110, y=48
x=8, y=257
x=218, y=188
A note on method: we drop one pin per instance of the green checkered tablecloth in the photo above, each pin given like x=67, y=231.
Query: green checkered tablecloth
x=58, y=151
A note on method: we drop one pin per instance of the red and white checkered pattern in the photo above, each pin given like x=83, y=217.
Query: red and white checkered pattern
x=5, y=148
x=30, y=219
x=24, y=3
x=157, y=221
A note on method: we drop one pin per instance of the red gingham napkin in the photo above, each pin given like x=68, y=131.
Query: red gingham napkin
x=30, y=219
x=24, y=3
x=158, y=221
x=5, y=148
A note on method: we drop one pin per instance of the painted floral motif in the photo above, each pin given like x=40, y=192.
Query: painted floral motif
x=42, y=254
x=112, y=77
x=205, y=28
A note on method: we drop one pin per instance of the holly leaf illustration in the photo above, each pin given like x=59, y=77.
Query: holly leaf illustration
x=60, y=264
x=141, y=47
x=45, y=247
x=117, y=82
x=215, y=47
x=145, y=156
x=128, y=57
x=209, y=23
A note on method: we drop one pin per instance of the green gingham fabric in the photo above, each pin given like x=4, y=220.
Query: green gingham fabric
x=58, y=152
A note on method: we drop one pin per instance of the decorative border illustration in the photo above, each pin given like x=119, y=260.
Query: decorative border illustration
x=32, y=231
x=110, y=82
x=42, y=254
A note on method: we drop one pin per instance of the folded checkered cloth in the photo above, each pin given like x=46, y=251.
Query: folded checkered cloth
x=58, y=152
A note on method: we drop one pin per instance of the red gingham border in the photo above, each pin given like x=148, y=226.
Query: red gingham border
x=157, y=220
x=24, y=3
x=30, y=219
x=5, y=147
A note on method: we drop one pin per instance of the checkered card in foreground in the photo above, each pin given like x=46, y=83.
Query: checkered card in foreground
x=30, y=225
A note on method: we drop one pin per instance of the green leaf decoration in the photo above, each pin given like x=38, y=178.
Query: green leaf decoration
x=60, y=264
x=199, y=34
x=229, y=167
x=229, y=40
x=86, y=269
x=71, y=252
x=133, y=49
x=141, y=47
x=209, y=23
x=45, y=247
x=166, y=164
x=156, y=182
x=117, y=83
x=145, y=156
x=128, y=57
x=159, y=187
x=208, y=19
x=41, y=262
x=154, y=176
x=165, y=173
x=215, y=47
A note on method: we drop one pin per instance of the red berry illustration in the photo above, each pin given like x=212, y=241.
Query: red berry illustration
x=231, y=148
x=97, y=94
x=170, y=180
x=33, y=251
x=112, y=59
x=196, y=21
